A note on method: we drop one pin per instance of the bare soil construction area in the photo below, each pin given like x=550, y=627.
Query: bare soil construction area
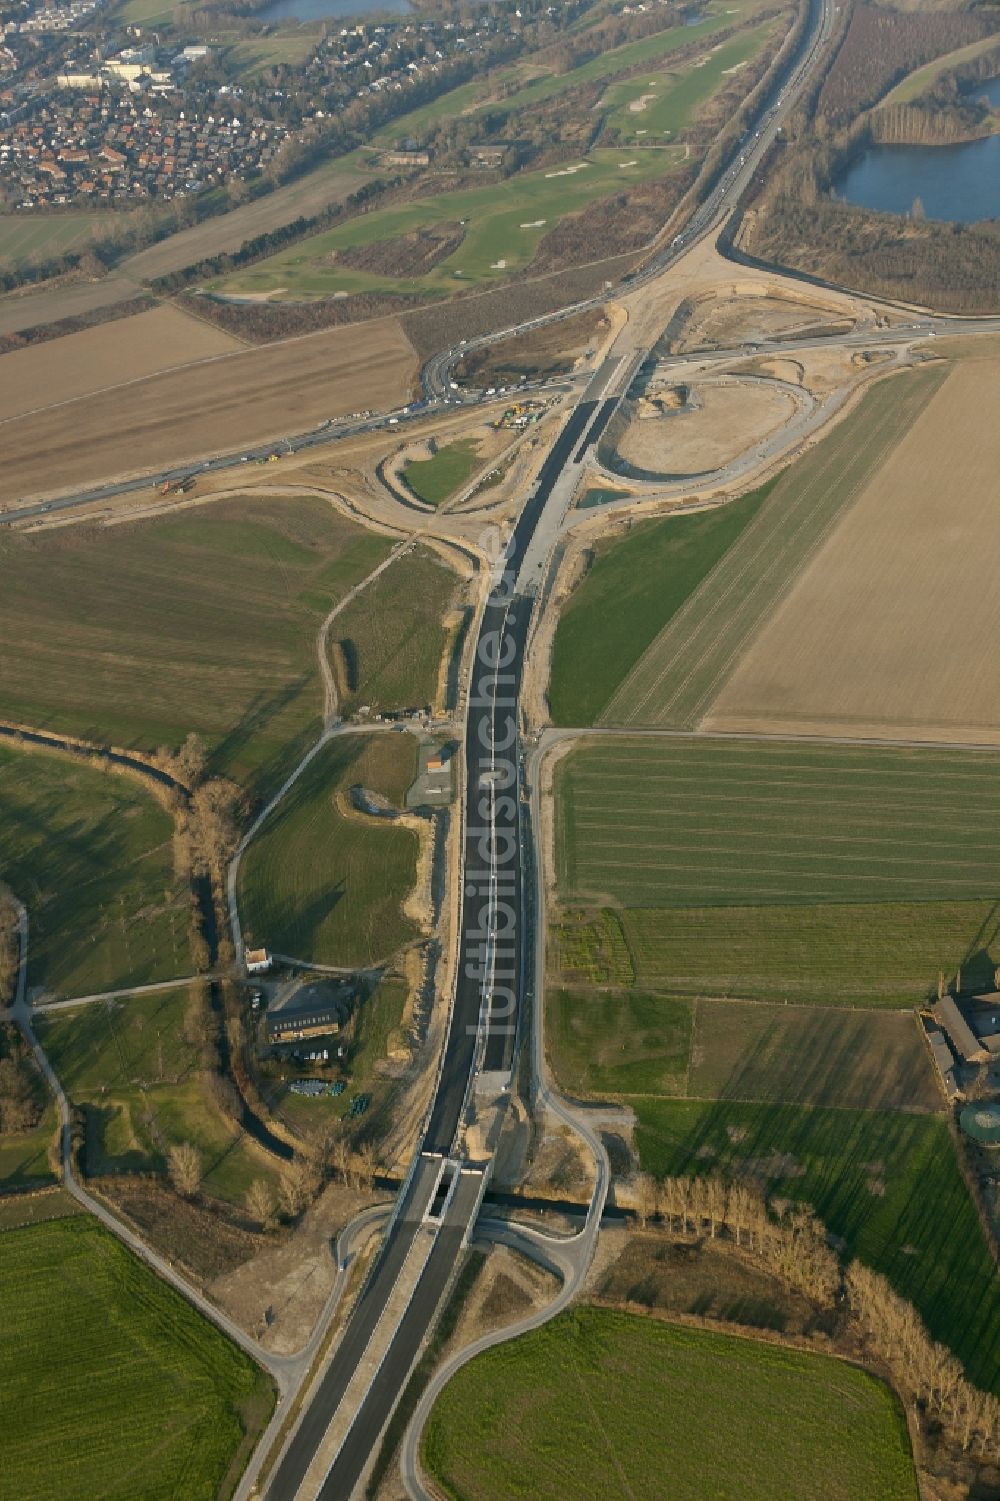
x=735, y=320
x=718, y=422
x=891, y=628
x=112, y=354
x=251, y=396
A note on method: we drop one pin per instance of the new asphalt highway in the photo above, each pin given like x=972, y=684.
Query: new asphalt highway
x=483, y=1025
x=493, y=953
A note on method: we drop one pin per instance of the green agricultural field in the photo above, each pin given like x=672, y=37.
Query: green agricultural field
x=436, y=479
x=589, y=948
x=888, y=1183
x=865, y=954
x=55, y=1203
x=91, y=856
x=146, y=13
x=120, y=1389
x=203, y=621
x=604, y=1043
x=624, y=1043
x=130, y=1064
x=636, y=584
x=504, y=221
x=658, y=106
x=323, y=882
x=391, y=639
x=797, y=1054
x=677, y=678
x=786, y=870
x=599, y=1403
x=26, y=236
x=729, y=822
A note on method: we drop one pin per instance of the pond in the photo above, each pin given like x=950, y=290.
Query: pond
x=322, y=10
x=960, y=183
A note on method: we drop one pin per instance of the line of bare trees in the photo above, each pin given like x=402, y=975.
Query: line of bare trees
x=9, y=946
x=787, y=1237
x=792, y=1243
x=925, y=1373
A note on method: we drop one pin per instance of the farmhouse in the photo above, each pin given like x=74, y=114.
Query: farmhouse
x=258, y=961
x=405, y=159
x=960, y=1034
x=984, y=1018
x=944, y=1061
x=314, y=1011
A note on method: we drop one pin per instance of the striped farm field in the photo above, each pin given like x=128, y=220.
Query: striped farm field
x=691, y=822
x=678, y=677
x=786, y=870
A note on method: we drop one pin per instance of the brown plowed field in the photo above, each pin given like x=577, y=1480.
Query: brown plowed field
x=891, y=629
x=110, y=355
x=239, y=399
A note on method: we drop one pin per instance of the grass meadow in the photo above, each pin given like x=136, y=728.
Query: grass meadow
x=505, y=221
x=129, y=1064
x=24, y=1155
x=436, y=479
x=626, y=1044
x=677, y=678
x=391, y=639
x=202, y=621
x=600, y=1403
x=635, y=586
x=324, y=883
x=921, y=79
x=119, y=1388
x=886, y=1182
x=26, y=236
x=658, y=106
x=91, y=856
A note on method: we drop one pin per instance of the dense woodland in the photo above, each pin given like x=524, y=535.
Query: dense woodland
x=882, y=46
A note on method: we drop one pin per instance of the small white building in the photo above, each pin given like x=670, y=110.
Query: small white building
x=258, y=961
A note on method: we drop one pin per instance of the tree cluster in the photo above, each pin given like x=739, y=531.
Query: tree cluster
x=20, y=1096
x=951, y=267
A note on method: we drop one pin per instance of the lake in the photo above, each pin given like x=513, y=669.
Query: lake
x=323, y=10
x=960, y=183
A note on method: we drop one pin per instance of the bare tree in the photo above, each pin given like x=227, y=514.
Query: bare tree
x=365, y=1166
x=184, y=1168
x=260, y=1203
x=298, y=1185
x=646, y=1197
